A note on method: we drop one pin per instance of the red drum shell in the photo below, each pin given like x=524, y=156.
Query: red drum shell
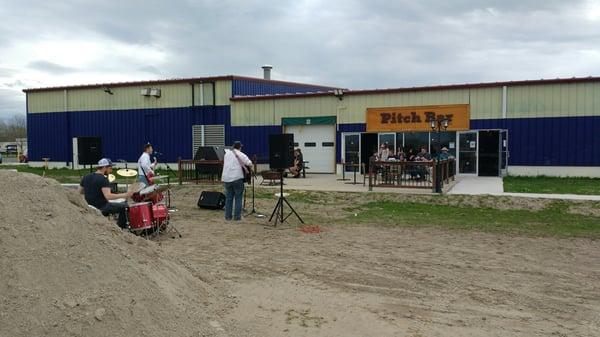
x=140, y=216
x=161, y=214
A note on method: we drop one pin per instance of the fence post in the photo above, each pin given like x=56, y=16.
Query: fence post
x=434, y=175
x=179, y=170
x=371, y=164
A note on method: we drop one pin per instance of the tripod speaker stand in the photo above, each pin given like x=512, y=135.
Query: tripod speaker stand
x=278, y=211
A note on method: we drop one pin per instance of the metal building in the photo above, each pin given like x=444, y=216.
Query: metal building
x=522, y=127
x=549, y=127
x=176, y=116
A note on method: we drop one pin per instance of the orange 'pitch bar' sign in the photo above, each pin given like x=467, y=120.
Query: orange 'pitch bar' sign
x=417, y=118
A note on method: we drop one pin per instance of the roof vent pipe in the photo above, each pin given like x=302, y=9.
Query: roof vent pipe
x=267, y=71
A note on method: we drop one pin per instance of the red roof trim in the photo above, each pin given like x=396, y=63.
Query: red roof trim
x=171, y=81
x=424, y=88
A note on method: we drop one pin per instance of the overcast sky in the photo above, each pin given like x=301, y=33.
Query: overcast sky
x=354, y=44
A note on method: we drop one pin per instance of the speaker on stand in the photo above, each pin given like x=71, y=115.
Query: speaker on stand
x=281, y=157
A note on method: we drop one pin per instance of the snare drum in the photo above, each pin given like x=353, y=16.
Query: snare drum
x=152, y=193
x=140, y=216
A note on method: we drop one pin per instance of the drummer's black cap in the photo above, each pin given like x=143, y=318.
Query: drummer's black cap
x=237, y=144
x=147, y=146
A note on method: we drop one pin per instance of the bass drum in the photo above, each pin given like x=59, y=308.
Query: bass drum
x=140, y=216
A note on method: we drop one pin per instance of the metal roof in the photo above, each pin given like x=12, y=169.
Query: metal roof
x=423, y=88
x=172, y=81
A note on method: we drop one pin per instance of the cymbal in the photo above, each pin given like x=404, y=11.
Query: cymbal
x=111, y=178
x=127, y=173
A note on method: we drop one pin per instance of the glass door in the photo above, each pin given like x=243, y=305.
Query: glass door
x=351, y=149
x=467, y=152
x=504, y=152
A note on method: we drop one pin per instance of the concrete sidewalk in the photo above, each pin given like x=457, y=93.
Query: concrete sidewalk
x=472, y=185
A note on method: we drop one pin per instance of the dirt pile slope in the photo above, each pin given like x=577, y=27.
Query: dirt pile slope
x=66, y=271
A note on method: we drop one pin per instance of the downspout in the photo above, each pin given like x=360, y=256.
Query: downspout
x=193, y=95
x=214, y=93
x=202, y=94
x=504, y=96
x=69, y=138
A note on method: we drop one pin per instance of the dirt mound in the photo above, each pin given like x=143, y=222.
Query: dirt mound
x=67, y=271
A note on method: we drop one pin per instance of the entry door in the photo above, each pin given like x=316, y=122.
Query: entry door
x=351, y=149
x=467, y=152
x=505, y=153
x=317, y=143
x=489, y=153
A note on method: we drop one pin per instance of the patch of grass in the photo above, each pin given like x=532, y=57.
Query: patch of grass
x=67, y=175
x=552, y=185
x=552, y=221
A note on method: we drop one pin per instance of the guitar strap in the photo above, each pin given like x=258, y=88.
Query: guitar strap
x=240, y=162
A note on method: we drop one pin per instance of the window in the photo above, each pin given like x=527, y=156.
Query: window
x=310, y=144
x=327, y=144
x=447, y=140
x=389, y=139
x=413, y=141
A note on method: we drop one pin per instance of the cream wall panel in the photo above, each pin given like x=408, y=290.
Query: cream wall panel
x=91, y=99
x=46, y=101
x=172, y=95
x=223, y=92
x=486, y=103
x=554, y=100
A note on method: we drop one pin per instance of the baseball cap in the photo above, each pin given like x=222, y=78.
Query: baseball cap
x=104, y=162
x=237, y=144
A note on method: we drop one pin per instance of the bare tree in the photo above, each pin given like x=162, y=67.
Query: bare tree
x=15, y=127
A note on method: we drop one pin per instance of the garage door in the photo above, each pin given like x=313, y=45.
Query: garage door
x=317, y=143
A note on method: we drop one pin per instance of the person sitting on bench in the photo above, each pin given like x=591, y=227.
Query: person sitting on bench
x=298, y=164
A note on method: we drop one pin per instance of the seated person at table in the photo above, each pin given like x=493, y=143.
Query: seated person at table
x=298, y=164
x=384, y=152
x=444, y=155
x=96, y=190
x=423, y=155
x=421, y=170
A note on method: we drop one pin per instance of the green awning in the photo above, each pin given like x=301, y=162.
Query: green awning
x=318, y=120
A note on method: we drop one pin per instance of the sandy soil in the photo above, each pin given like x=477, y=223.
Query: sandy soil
x=66, y=271
x=379, y=281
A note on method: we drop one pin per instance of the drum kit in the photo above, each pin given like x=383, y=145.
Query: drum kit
x=150, y=212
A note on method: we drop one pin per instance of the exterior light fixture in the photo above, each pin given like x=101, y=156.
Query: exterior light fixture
x=339, y=93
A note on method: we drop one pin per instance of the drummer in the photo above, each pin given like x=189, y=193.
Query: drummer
x=145, y=165
x=96, y=190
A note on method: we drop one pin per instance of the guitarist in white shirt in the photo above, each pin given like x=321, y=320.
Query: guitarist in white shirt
x=236, y=166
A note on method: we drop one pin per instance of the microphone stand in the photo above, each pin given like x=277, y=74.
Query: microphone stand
x=168, y=182
x=253, y=211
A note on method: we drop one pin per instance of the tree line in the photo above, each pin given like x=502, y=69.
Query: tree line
x=12, y=128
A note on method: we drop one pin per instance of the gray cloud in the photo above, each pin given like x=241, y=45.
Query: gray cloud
x=352, y=43
x=50, y=67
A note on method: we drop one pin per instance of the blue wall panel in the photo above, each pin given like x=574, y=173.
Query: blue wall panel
x=563, y=141
x=560, y=141
x=47, y=137
x=123, y=132
x=250, y=88
x=255, y=140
